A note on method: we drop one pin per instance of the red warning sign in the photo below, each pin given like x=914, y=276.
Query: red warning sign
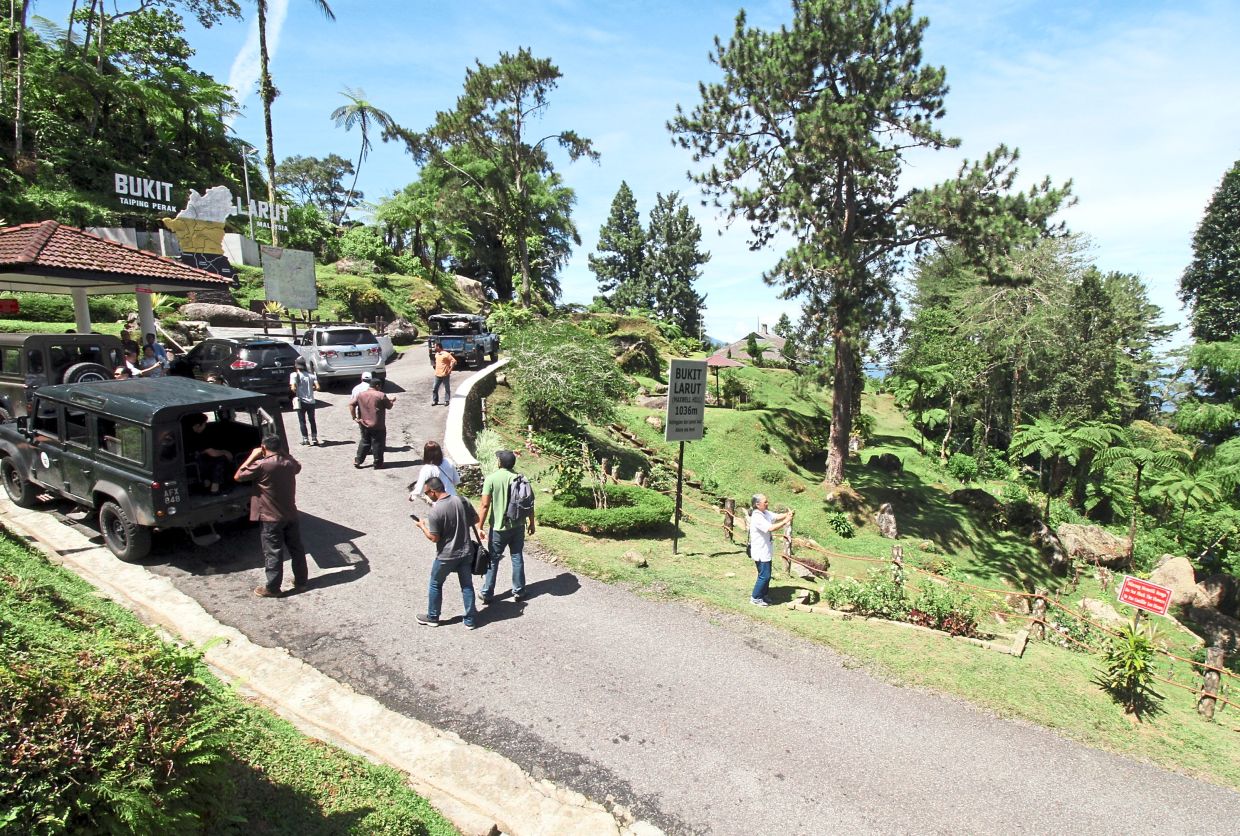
x=1145, y=595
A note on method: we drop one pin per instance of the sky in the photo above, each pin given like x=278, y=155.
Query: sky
x=1135, y=101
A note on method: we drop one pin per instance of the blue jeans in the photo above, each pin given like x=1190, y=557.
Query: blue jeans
x=440, y=570
x=514, y=540
x=447, y=389
x=763, y=584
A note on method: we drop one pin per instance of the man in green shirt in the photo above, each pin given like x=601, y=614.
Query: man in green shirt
x=505, y=532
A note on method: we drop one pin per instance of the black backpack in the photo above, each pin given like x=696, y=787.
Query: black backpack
x=520, y=501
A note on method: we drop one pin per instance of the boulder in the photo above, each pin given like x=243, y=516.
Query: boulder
x=1177, y=573
x=653, y=403
x=1218, y=592
x=356, y=267
x=887, y=462
x=636, y=558
x=655, y=421
x=1100, y=612
x=977, y=499
x=1050, y=546
x=886, y=520
x=470, y=288
x=1217, y=629
x=1094, y=544
x=402, y=332
x=223, y=315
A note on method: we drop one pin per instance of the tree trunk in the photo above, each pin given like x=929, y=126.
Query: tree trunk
x=1016, y=404
x=69, y=31
x=349, y=195
x=1136, y=509
x=841, y=408
x=267, y=93
x=523, y=253
x=19, y=84
x=103, y=25
x=90, y=29
x=951, y=419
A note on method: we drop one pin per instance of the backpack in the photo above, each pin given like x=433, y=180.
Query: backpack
x=520, y=501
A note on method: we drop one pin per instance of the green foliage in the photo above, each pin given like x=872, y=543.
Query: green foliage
x=1128, y=675
x=358, y=298
x=773, y=475
x=55, y=307
x=753, y=349
x=630, y=510
x=561, y=370
x=506, y=319
x=1209, y=285
x=1068, y=631
x=840, y=524
x=317, y=182
x=672, y=263
x=486, y=445
x=366, y=243
x=878, y=595
x=944, y=607
x=963, y=467
x=863, y=425
x=363, y=115
x=621, y=248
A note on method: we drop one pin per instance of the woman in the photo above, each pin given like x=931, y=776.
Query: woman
x=302, y=385
x=434, y=464
x=149, y=365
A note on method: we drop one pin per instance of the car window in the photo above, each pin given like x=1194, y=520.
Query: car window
x=349, y=336
x=34, y=361
x=270, y=354
x=76, y=427
x=120, y=438
x=92, y=354
x=12, y=361
x=46, y=419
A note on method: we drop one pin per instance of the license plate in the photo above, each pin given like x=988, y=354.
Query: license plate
x=353, y=354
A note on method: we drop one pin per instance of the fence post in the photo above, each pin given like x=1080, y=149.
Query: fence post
x=1037, y=627
x=788, y=548
x=640, y=478
x=1210, y=682
x=484, y=412
x=897, y=565
x=729, y=517
x=615, y=472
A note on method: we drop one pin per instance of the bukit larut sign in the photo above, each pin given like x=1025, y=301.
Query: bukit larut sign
x=161, y=196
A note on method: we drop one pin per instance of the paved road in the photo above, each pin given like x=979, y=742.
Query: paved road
x=698, y=723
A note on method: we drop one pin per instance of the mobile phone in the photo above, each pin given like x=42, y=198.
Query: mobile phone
x=415, y=517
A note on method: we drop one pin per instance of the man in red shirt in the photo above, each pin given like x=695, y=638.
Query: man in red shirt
x=369, y=410
x=274, y=504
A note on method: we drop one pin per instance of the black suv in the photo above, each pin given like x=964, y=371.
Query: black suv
x=28, y=361
x=123, y=449
x=259, y=364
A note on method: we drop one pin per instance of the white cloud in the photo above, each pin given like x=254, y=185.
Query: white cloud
x=246, y=66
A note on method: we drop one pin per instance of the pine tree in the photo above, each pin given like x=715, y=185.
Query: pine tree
x=673, y=263
x=621, y=247
x=1211, y=284
x=784, y=327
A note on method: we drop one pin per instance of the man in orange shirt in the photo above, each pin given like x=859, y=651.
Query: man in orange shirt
x=444, y=364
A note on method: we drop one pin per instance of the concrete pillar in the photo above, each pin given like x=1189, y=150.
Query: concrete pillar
x=146, y=316
x=81, y=310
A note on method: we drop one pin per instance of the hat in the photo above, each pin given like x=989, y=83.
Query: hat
x=506, y=458
x=366, y=376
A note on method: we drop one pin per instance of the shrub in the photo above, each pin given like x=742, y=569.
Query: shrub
x=560, y=370
x=773, y=475
x=863, y=425
x=1070, y=632
x=839, y=521
x=486, y=445
x=1128, y=674
x=944, y=607
x=630, y=510
x=358, y=297
x=366, y=242
x=504, y=319
x=878, y=595
x=963, y=467
x=55, y=307
x=994, y=465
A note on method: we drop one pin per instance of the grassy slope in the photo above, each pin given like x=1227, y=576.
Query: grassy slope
x=1049, y=685
x=285, y=783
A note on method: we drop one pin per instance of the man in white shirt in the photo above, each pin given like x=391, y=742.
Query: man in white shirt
x=761, y=523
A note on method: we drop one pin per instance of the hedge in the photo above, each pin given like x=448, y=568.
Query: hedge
x=58, y=307
x=630, y=510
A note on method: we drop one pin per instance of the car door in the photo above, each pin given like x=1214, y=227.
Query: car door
x=77, y=462
x=45, y=464
x=197, y=359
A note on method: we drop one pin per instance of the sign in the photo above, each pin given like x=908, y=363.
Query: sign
x=10, y=306
x=156, y=195
x=288, y=278
x=686, y=400
x=1145, y=595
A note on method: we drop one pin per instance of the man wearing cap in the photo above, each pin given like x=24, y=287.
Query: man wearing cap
x=504, y=533
x=274, y=504
x=362, y=386
x=369, y=410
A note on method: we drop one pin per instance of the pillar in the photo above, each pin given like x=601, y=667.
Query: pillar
x=146, y=316
x=81, y=310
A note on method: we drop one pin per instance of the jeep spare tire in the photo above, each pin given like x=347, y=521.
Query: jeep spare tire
x=87, y=373
x=125, y=538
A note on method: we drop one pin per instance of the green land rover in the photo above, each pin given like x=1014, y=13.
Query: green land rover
x=125, y=450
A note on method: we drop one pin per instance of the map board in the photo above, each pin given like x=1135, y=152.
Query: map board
x=686, y=400
x=288, y=278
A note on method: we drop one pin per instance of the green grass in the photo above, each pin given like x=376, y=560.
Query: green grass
x=282, y=782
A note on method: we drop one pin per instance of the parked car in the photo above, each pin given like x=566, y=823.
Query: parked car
x=259, y=364
x=119, y=449
x=28, y=361
x=334, y=352
x=465, y=336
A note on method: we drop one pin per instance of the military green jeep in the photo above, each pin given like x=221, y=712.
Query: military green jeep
x=127, y=451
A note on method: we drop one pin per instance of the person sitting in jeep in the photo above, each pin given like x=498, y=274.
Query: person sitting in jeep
x=207, y=445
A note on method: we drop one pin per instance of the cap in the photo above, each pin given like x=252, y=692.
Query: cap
x=367, y=375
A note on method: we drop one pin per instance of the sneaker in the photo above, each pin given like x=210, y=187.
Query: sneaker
x=471, y=626
x=483, y=602
x=305, y=442
x=758, y=602
x=517, y=598
x=358, y=465
x=315, y=442
x=426, y=620
x=264, y=592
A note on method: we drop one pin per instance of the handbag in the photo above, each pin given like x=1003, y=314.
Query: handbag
x=480, y=558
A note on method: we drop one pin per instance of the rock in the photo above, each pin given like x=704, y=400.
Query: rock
x=636, y=558
x=402, y=331
x=471, y=288
x=1218, y=592
x=855, y=444
x=655, y=421
x=653, y=403
x=887, y=462
x=224, y=315
x=1177, y=573
x=1217, y=629
x=1102, y=613
x=355, y=267
x=1094, y=544
x=1050, y=547
x=886, y=520
x=802, y=572
x=977, y=499
x=845, y=498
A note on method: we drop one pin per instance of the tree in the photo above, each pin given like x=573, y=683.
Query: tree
x=913, y=389
x=784, y=327
x=317, y=181
x=492, y=119
x=753, y=349
x=807, y=134
x=1140, y=458
x=364, y=115
x=267, y=94
x=1060, y=443
x=672, y=264
x=1210, y=285
x=621, y=247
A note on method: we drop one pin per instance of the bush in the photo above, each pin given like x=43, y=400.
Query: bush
x=840, y=523
x=773, y=475
x=631, y=510
x=1128, y=675
x=365, y=242
x=995, y=466
x=54, y=307
x=878, y=595
x=963, y=467
x=486, y=445
x=504, y=319
x=358, y=297
x=560, y=370
x=944, y=607
x=863, y=425
x=1070, y=632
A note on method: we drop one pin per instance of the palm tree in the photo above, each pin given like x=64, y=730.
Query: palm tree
x=267, y=92
x=1060, y=442
x=363, y=114
x=1140, y=458
x=1186, y=489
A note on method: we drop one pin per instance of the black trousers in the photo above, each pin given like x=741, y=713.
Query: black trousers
x=304, y=414
x=373, y=438
x=275, y=537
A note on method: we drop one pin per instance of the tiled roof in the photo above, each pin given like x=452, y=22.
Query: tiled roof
x=51, y=245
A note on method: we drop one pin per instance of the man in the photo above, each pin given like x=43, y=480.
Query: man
x=444, y=364
x=205, y=443
x=362, y=386
x=505, y=532
x=274, y=504
x=128, y=343
x=451, y=519
x=369, y=410
x=158, y=350
x=761, y=523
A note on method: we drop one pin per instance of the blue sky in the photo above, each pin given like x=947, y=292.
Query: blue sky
x=1135, y=101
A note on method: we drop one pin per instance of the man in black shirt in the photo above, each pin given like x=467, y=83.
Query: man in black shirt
x=451, y=520
x=205, y=443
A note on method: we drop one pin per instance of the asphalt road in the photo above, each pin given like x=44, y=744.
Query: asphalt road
x=697, y=722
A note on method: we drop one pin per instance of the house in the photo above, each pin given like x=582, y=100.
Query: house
x=772, y=346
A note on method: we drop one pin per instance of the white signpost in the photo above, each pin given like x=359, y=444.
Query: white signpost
x=686, y=419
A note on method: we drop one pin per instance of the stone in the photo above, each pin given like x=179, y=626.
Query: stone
x=1218, y=592
x=355, y=267
x=1094, y=544
x=886, y=521
x=655, y=421
x=402, y=331
x=223, y=315
x=977, y=499
x=653, y=402
x=471, y=288
x=636, y=558
x=1217, y=629
x=1177, y=573
x=1100, y=612
x=887, y=462
x=1050, y=546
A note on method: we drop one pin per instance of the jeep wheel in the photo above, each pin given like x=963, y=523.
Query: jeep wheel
x=16, y=485
x=495, y=356
x=87, y=373
x=127, y=540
